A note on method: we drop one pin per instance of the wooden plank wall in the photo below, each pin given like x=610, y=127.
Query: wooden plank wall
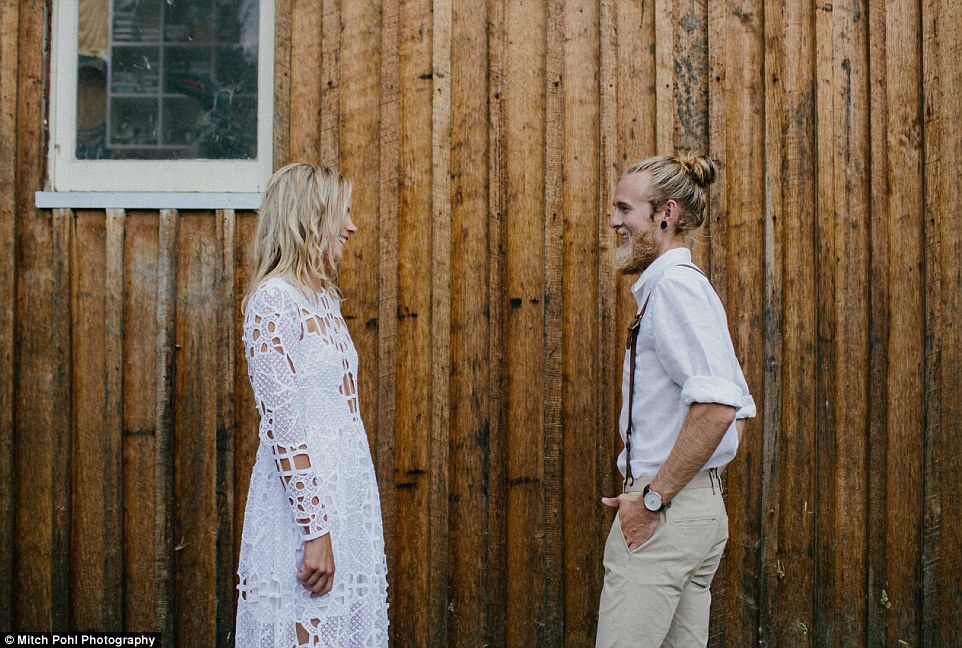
x=484, y=138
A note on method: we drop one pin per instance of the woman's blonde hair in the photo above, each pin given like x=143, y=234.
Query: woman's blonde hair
x=682, y=178
x=304, y=208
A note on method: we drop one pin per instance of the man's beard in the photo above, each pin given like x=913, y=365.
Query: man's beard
x=641, y=251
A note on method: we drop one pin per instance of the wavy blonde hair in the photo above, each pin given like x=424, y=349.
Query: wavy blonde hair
x=682, y=178
x=304, y=208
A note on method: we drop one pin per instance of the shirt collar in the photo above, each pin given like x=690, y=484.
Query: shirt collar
x=673, y=257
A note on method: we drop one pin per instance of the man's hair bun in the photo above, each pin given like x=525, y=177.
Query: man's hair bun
x=700, y=168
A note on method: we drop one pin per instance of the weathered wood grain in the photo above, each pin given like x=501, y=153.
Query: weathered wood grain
x=385, y=316
x=786, y=588
x=225, y=343
x=736, y=231
x=897, y=396
x=495, y=555
x=469, y=458
x=553, y=300
x=41, y=356
x=164, y=424
x=438, y=525
x=247, y=419
x=413, y=478
x=283, y=29
x=842, y=242
x=688, y=116
x=578, y=372
x=942, y=146
x=524, y=151
x=608, y=345
x=140, y=394
x=330, y=112
x=306, y=74
x=9, y=19
x=96, y=542
x=195, y=431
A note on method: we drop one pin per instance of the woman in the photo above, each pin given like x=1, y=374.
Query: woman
x=313, y=503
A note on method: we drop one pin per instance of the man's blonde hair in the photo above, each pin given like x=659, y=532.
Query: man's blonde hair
x=682, y=178
x=304, y=208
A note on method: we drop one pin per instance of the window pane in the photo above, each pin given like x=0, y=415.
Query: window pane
x=167, y=79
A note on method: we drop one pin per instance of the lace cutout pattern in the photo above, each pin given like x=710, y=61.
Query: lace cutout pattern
x=313, y=475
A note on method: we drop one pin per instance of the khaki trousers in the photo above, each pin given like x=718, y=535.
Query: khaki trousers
x=658, y=594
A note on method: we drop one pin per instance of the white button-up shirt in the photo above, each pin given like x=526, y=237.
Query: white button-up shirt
x=685, y=356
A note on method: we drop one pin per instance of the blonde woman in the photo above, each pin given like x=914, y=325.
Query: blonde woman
x=312, y=567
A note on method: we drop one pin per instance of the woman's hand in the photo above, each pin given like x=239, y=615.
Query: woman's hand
x=318, y=572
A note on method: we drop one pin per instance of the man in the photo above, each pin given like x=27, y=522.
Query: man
x=684, y=405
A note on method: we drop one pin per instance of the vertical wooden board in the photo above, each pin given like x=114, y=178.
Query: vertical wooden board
x=41, y=360
x=140, y=394
x=114, y=421
x=246, y=416
x=9, y=15
x=842, y=97
x=283, y=29
x=224, y=268
x=384, y=321
x=524, y=106
x=738, y=102
x=554, y=176
x=607, y=386
x=941, y=563
x=88, y=542
x=469, y=485
x=195, y=432
x=898, y=396
x=663, y=48
x=787, y=578
x=414, y=314
x=879, y=323
x=825, y=260
x=689, y=111
x=633, y=35
x=96, y=543
x=164, y=422
x=438, y=592
x=306, y=77
x=330, y=81
x=495, y=555
x=579, y=341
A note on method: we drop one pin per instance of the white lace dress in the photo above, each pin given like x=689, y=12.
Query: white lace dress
x=313, y=475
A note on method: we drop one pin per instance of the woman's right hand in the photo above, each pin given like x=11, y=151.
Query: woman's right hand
x=318, y=572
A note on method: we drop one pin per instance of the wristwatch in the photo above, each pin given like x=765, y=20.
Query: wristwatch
x=653, y=501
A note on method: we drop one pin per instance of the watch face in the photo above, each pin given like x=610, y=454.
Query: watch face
x=652, y=501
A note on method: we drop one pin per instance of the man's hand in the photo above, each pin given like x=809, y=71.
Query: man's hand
x=637, y=522
x=318, y=572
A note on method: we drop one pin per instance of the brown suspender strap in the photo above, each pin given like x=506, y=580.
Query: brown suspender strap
x=632, y=344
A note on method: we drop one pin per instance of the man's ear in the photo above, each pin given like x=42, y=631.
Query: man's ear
x=671, y=209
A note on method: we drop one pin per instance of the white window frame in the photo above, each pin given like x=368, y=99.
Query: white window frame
x=68, y=174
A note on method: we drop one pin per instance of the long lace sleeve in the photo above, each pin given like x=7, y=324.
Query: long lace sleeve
x=271, y=334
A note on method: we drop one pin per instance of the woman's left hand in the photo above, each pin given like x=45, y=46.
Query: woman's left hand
x=318, y=572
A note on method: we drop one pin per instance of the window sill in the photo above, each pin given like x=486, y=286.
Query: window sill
x=145, y=200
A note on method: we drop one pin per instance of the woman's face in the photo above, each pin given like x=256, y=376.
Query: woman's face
x=347, y=230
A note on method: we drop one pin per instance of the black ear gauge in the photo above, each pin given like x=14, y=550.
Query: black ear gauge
x=664, y=224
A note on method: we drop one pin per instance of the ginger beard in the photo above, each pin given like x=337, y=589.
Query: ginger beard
x=634, y=256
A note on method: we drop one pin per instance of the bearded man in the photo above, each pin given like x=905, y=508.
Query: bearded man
x=685, y=401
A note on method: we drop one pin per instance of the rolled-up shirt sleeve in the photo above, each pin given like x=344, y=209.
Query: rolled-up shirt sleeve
x=692, y=342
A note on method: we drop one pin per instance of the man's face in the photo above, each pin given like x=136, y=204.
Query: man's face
x=634, y=223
